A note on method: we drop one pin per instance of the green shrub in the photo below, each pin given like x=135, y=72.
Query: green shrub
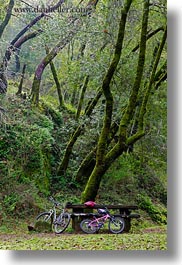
x=157, y=213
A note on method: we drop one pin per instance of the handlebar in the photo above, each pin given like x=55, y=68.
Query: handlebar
x=56, y=203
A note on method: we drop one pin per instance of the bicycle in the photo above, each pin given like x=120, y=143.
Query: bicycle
x=116, y=224
x=60, y=222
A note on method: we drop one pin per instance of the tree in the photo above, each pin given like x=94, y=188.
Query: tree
x=3, y=81
x=113, y=63
x=86, y=167
x=56, y=79
x=105, y=157
x=74, y=28
x=16, y=43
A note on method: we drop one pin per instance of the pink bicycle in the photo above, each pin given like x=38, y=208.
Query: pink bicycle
x=116, y=224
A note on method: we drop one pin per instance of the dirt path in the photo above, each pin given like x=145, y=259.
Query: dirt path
x=28, y=235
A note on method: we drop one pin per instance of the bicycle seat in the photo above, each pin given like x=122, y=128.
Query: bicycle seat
x=102, y=211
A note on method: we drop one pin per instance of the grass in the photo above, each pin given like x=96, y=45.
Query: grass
x=148, y=239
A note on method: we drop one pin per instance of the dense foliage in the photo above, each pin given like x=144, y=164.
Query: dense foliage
x=89, y=120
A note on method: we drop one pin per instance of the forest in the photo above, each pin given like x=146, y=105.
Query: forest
x=83, y=105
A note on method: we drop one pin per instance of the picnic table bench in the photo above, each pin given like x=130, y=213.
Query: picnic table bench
x=81, y=211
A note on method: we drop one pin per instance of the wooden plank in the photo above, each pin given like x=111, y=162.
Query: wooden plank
x=82, y=206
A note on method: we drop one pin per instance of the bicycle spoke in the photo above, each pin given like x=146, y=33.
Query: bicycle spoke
x=62, y=223
x=116, y=225
x=88, y=226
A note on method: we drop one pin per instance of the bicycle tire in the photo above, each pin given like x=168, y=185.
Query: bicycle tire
x=62, y=223
x=45, y=217
x=86, y=228
x=116, y=225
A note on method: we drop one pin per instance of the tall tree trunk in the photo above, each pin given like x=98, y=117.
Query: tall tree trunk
x=149, y=35
x=56, y=80
x=40, y=69
x=91, y=104
x=78, y=131
x=93, y=183
x=19, y=92
x=82, y=94
x=64, y=164
x=88, y=163
x=151, y=81
x=124, y=141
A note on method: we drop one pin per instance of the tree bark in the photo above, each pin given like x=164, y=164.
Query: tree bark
x=8, y=52
x=18, y=36
x=26, y=28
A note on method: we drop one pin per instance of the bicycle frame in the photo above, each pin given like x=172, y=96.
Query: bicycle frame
x=116, y=224
x=53, y=211
x=96, y=221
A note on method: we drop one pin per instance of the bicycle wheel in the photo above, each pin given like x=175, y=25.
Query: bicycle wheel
x=116, y=225
x=87, y=227
x=44, y=222
x=62, y=222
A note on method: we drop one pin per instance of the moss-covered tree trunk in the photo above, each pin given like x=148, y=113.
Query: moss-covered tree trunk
x=78, y=131
x=19, y=92
x=124, y=139
x=93, y=183
x=64, y=164
x=82, y=94
x=56, y=80
x=88, y=164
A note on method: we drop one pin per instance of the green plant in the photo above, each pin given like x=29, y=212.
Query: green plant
x=159, y=215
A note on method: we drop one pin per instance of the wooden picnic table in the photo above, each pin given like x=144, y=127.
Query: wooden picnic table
x=81, y=211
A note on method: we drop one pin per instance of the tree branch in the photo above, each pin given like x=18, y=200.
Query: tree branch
x=151, y=81
x=7, y=17
x=150, y=35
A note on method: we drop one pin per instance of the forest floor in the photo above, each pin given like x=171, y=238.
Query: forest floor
x=154, y=238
